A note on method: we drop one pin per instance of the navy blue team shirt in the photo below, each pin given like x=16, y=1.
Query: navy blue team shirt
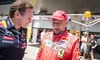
x=12, y=42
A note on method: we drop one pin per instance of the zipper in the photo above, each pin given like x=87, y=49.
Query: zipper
x=52, y=46
x=54, y=38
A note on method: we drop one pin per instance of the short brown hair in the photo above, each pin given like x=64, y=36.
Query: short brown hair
x=20, y=6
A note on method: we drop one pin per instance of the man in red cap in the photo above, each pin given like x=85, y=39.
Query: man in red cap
x=59, y=44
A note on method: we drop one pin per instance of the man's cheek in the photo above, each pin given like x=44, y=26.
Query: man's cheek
x=53, y=28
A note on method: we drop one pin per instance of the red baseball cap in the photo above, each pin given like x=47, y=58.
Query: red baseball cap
x=59, y=15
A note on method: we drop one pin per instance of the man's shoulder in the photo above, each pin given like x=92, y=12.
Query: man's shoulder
x=71, y=36
x=2, y=30
x=47, y=36
x=5, y=32
x=1, y=24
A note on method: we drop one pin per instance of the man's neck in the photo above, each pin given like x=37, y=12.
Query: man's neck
x=15, y=23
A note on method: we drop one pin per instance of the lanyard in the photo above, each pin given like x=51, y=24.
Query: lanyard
x=18, y=40
x=17, y=35
x=16, y=31
x=19, y=32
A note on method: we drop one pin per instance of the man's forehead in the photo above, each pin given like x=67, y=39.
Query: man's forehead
x=28, y=12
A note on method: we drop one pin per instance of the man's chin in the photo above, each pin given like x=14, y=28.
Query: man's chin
x=56, y=32
x=24, y=27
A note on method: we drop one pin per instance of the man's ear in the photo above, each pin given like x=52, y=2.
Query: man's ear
x=66, y=22
x=17, y=14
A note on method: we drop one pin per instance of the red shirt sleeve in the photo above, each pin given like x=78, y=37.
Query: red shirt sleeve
x=39, y=54
x=75, y=52
x=41, y=48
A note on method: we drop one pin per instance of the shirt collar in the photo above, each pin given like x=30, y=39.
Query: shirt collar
x=9, y=24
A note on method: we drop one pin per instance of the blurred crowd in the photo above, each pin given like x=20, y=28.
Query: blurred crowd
x=88, y=45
